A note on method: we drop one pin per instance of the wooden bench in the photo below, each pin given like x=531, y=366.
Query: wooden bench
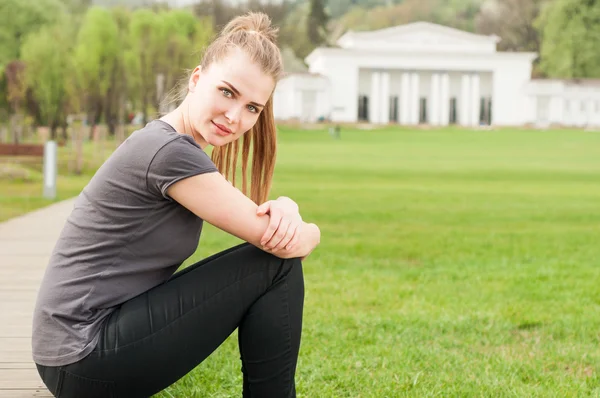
x=17, y=159
x=36, y=150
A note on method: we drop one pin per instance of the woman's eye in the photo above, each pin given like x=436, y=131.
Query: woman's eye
x=252, y=109
x=227, y=93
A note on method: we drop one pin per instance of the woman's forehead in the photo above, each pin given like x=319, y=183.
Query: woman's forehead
x=247, y=76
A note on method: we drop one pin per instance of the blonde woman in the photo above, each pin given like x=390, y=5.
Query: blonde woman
x=112, y=319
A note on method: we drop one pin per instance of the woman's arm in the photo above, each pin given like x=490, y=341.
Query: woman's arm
x=211, y=197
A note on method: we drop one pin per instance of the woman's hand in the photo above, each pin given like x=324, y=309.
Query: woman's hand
x=315, y=235
x=284, y=228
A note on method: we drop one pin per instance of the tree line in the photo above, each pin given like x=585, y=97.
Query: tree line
x=104, y=64
x=108, y=61
x=565, y=33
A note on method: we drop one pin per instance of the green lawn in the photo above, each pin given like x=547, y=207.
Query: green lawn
x=22, y=180
x=453, y=263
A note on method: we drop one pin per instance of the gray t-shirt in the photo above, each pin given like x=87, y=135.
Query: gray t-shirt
x=123, y=237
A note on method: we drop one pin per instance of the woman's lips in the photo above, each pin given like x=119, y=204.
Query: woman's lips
x=222, y=129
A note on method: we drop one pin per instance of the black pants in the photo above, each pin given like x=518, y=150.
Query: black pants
x=154, y=339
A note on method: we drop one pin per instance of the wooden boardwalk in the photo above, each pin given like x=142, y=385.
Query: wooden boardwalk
x=25, y=245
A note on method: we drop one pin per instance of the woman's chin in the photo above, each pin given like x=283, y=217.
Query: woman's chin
x=215, y=142
x=218, y=140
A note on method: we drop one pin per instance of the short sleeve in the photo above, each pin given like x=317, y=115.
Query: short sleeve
x=176, y=160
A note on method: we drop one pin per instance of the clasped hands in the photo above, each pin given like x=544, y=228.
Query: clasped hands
x=285, y=226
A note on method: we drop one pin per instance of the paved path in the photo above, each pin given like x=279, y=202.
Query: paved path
x=25, y=245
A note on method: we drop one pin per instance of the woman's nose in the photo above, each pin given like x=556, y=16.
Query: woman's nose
x=233, y=114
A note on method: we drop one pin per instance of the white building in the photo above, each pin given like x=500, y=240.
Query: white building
x=564, y=102
x=302, y=96
x=423, y=73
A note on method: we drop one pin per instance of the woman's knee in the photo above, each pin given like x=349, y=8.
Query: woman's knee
x=292, y=267
x=278, y=268
x=284, y=269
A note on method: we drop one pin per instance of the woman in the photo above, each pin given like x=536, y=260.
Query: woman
x=111, y=319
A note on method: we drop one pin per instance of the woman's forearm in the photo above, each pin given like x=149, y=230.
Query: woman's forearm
x=310, y=237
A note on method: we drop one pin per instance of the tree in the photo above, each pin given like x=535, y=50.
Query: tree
x=293, y=33
x=387, y=16
x=570, y=39
x=94, y=57
x=46, y=54
x=122, y=77
x=513, y=21
x=180, y=40
x=459, y=14
x=220, y=12
x=16, y=90
x=317, y=23
x=144, y=28
x=78, y=6
x=18, y=18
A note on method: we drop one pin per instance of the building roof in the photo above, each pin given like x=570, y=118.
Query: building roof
x=425, y=31
x=418, y=38
x=368, y=56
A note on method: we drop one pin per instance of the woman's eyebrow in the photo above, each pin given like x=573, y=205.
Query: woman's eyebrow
x=235, y=90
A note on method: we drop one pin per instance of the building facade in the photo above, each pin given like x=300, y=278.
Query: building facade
x=302, y=96
x=423, y=73
x=564, y=102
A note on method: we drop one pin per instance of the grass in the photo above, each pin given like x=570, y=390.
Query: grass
x=453, y=263
x=22, y=179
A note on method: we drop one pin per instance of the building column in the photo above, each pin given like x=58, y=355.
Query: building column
x=405, y=98
x=475, y=100
x=434, y=100
x=414, y=98
x=384, y=114
x=464, y=105
x=445, y=100
x=374, y=104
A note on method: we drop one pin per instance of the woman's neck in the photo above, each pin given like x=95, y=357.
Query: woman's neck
x=179, y=119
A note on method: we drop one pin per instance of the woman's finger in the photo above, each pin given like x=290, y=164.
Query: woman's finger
x=294, y=241
x=264, y=208
x=287, y=237
x=273, y=226
x=280, y=234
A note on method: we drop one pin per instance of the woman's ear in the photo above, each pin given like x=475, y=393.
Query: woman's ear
x=193, y=82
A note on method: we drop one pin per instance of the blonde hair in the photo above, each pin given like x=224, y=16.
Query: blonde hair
x=254, y=34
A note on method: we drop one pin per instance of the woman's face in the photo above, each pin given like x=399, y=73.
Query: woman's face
x=225, y=100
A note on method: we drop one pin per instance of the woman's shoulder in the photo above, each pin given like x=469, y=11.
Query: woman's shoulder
x=157, y=133
x=156, y=130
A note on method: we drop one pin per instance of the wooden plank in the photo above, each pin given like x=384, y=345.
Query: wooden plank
x=15, y=275
x=16, y=316
x=16, y=305
x=6, y=287
x=20, y=308
x=17, y=296
x=26, y=243
x=24, y=262
x=12, y=343
x=26, y=247
x=17, y=365
x=11, y=393
x=16, y=349
x=15, y=331
x=18, y=379
x=21, y=150
x=12, y=232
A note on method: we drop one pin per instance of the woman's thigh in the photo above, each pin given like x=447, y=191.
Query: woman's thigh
x=156, y=338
